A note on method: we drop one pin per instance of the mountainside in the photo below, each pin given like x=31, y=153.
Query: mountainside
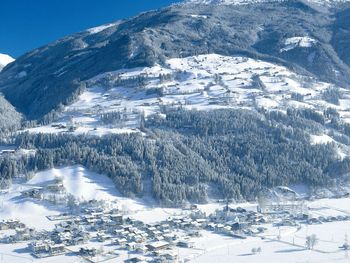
x=10, y=119
x=198, y=100
x=310, y=40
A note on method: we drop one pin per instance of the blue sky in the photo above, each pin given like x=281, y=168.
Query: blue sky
x=27, y=24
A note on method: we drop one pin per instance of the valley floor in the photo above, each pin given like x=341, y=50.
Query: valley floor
x=277, y=244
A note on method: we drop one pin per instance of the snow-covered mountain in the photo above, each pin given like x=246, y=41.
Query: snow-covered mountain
x=308, y=42
x=5, y=60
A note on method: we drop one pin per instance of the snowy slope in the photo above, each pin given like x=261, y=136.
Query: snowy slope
x=202, y=82
x=5, y=60
x=79, y=182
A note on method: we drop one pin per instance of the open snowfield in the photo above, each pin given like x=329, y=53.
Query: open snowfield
x=272, y=251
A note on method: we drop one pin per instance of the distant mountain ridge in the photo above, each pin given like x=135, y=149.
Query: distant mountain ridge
x=243, y=2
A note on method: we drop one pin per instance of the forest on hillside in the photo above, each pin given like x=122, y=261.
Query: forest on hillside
x=189, y=155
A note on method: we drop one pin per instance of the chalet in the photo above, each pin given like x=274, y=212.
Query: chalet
x=117, y=218
x=314, y=221
x=159, y=245
x=57, y=249
x=170, y=256
x=79, y=240
x=141, y=248
x=46, y=248
x=121, y=242
x=211, y=226
x=91, y=252
x=169, y=237
x=185, y=244
x=194, y=234
x=139, y=223
x=97, y=214
x=102, y=237
x=239, y=226
x=159, y=238
x=287, y=222
x=40, y=246
x=117, y=232
x=131, y=246
x=139, y=239
x=62, y=237
x=193, y=207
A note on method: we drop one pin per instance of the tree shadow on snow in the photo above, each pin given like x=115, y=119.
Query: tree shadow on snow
x=290, y=250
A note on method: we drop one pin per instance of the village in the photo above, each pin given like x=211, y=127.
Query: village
x=96, y=231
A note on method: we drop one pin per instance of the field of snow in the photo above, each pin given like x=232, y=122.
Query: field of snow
x=272, y=251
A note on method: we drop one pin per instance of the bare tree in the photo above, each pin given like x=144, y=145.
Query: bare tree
x=311, y=241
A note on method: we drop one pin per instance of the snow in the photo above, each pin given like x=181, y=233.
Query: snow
x=5, y=60
x=31, y=213
x=321, y=139
x=79, y=182
x=294, y=42
x=99, y=29
x=199, y=16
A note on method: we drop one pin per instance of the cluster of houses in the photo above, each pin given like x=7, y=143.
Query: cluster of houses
x=22, y=232
x=96, y=223
x=11, y=224
x=54, y=192
x=156, y=242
